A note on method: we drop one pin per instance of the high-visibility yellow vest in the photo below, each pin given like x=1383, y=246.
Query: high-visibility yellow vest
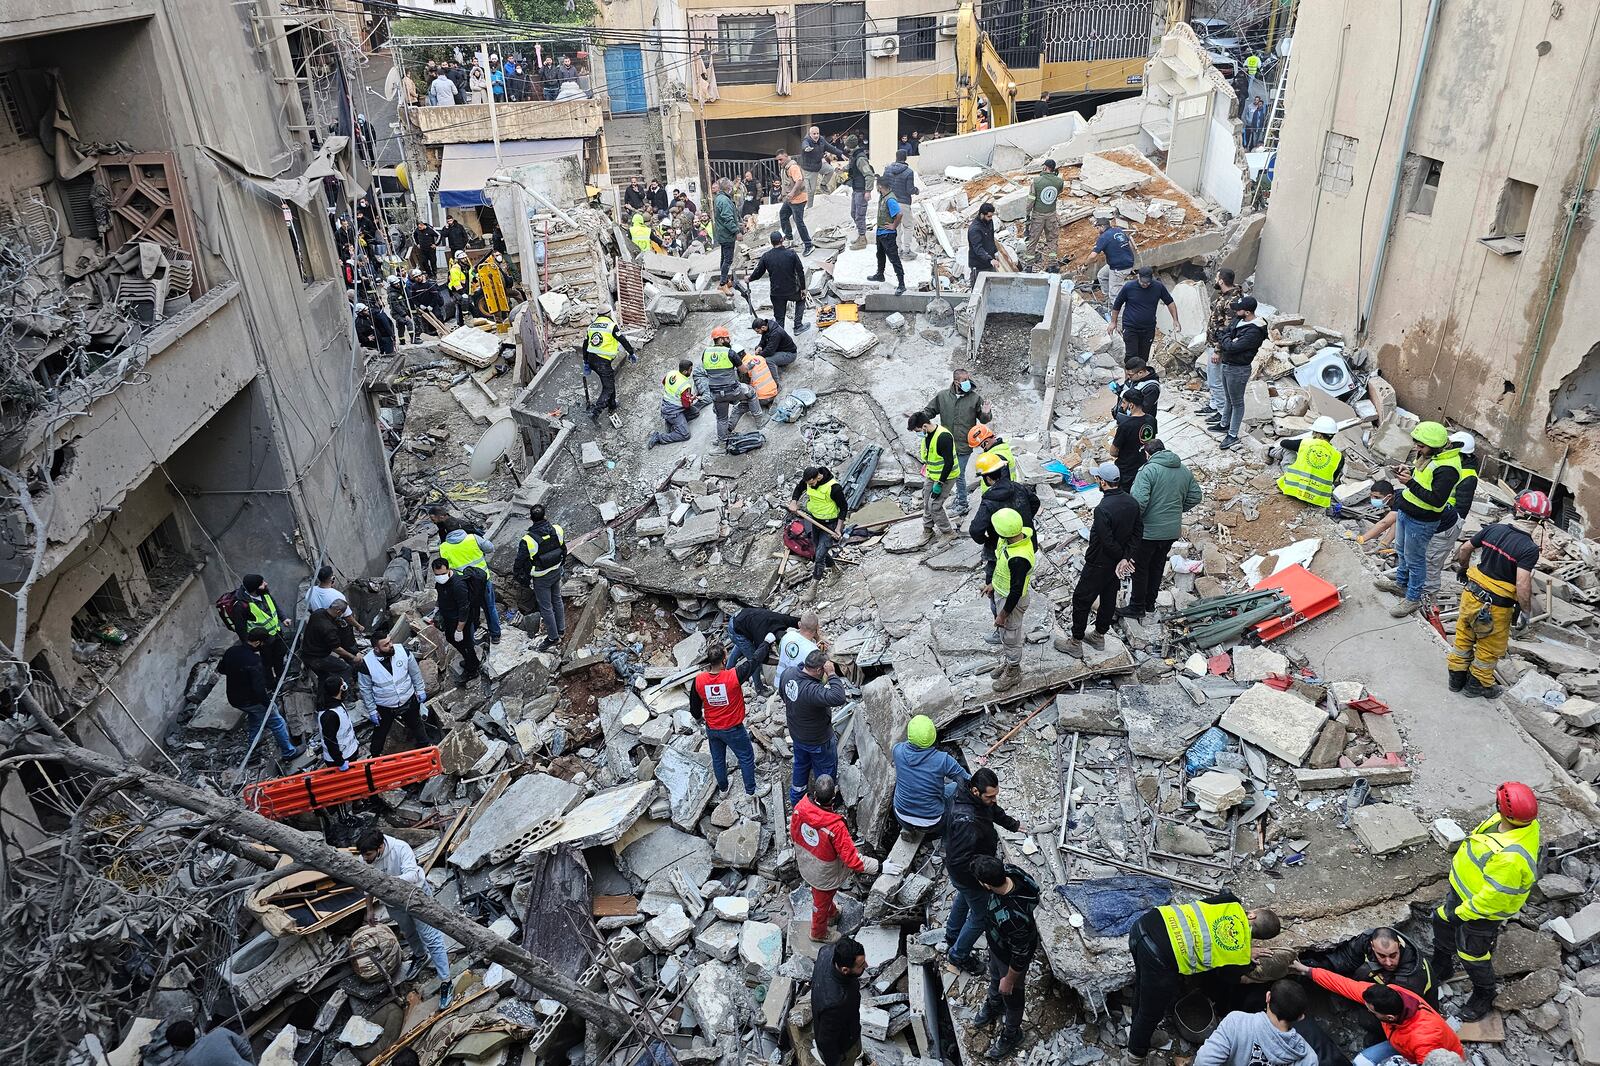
x=266, y=618
x=819, y=502
x=1206, y=936
x=1004, y=552
x=932, y=461
x=674, y=385
x=1311, y=477
x=458, y=278
x=717, y=358
x=1003, y=450
x=1467, y=473
x=639, y=233
x=534, y=551
x=1494, y=869
x=1423, y=476
x=602, y=338
x=463, y=555
x=761, y=378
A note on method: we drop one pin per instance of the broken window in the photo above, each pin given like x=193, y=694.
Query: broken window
x=1424, y=184
x=1511, y=215
x=159, y=546
x=295, y=224
x=104, y=610
x=1338, y=172
x=20, y=95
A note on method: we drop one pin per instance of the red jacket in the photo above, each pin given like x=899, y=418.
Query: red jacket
x=825, y=850
x=1420, y=1031
x=721, y=698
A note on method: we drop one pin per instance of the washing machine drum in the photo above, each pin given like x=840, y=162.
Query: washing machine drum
x=1327, y=371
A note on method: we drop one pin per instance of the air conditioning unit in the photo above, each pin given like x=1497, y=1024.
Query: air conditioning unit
x=884, y=46
x=947, y=25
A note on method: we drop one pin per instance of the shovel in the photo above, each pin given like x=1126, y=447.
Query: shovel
x=939, y=309
x=744, y=290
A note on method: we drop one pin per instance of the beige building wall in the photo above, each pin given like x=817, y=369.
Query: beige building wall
x=1497, y=343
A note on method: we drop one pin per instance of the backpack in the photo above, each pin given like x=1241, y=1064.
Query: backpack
x=797, y=538
x=226, y=604
x=739, y=443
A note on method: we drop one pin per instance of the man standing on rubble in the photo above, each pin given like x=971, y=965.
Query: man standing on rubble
x=982, y=251
x=724, y=231
x=863, y=179
x=802, y=638
x=1044, y=224
x=328, y=644
x=1493, y=593
x=1210, y=939
x=468, y=555
x=249, y=689
x=336, y=732
x=1209, y=365
x=677, y=405
x=787, y=279
x=827, y=506
x=1135, y=310
x=1007, y=591
x=716, y=698
x=1117, y=248
x=1010, y=898
x=457, y=616
x=890, y=215
x=1491, y=874
x=959, y=408
x=601, y=343
x=1000, y=491
x=969, y=835
x=394, y=858
x=1135, y=429
x=722, y=376
x=937, y=454
x=812, y=147
x=824, y=851
x=1237, y=349
x=752, y=634
x=1114, y=541
x=836, y=1001
x=540, y=556
x=1164, y=489
x=1419, y=506
x=1453, y=520
x=252, y=607
x=810, y=693
x=796, y=194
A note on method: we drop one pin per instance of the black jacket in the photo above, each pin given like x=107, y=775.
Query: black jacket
x=902, y=181
x=969, y=834
x=997, y=497
x=755, y=623
x=323, y=635
x=246, y=676
x=860, y=175
x=835, y=1009
x=1241, y=341
x=657, y=198
x=455, y=235
x=775, y=340
x=785, y=270
x=808, y=704
x=981, y=249
x=1008, y=923
x=454, y=600
x=633, y=197
x=1118, y=527
x=1354, y=959
x=544, y=534
x=427, y=239
x=810, y=157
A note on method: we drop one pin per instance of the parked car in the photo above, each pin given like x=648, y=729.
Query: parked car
x=1217, y=36
x=1226, y=65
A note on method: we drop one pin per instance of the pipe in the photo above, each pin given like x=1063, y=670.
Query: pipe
x=1399, y=170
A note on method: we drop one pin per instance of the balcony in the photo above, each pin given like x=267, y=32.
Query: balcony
x=526, y=120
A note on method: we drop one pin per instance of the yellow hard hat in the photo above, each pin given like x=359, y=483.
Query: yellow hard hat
x=988, y=463
x=1007, y=522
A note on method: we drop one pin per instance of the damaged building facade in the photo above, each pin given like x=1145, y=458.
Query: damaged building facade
x=1446, y=231
x=185, y=401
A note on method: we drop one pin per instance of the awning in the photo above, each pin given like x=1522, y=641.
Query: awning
x=467, y=167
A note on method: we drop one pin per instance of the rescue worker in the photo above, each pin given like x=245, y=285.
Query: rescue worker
x=601, y=343
x=716, y=698
x=677, y=405
x=985, y=441
x=1490, y=877
x=1164, y=489
x=937, y=454
x=467, y=553
x=540, y=556
x=1420, y=503
x=1493, y=593
x=639, y=232
x=800, y=639
x=405, y=325
x=1009, y=928
x=393, y=857
x=459, y=284
x=1316, y=467
x=824, y=851
x=1383, y=956
x=253, y=607
x=1412, y=1029
x=778, y=348
x=1008, y=589
x=391, y=686
x=827, y=505
x=753, y=632
x=999, y=493
x=759, y=375
x=1044, y=224
x=921, y=771
x=1114, y=541
x=722, y=377
x=336, y=732
x=1453, y=522
x=1210, y=938
x=456, y=616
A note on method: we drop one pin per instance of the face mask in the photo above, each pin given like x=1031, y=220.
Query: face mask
x=965, y=386
x=1377, y=502
x=440, y=579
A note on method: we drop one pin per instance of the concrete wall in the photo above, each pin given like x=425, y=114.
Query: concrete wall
x=1031, y=138
x=1509, y=93
x=1221, y=176
x=528, y=120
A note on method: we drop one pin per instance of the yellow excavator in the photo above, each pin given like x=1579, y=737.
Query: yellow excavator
x=982, y=78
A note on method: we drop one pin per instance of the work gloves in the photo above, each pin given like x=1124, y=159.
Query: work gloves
x=869, y=866
x=937, y=489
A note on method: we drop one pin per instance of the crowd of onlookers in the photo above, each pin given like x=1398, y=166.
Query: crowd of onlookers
x=511, y=78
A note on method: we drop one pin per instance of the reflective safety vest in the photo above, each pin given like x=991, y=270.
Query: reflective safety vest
x=1003, y=450
x=464, y=555
x=458, y=278
x=1467, y=473
x=717, y=358
x=344, y=737
x=1494, y=869
x=266, y=618
x=547, y=549
x=639, y=233
x=1206, y=936
x=819, y=502
x=601, y=339
x=1311, y=477
x=674, y=385
x=761, y=378
x=1423, y=476
x=1004, y=552
x=928, y=453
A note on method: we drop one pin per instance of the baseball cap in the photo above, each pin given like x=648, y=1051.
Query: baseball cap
x=1245, y=303
x=1146, y=272
x=1108, y=472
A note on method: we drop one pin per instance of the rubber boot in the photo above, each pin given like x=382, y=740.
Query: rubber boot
x=1478, y=690
x=1481, y=1002
x=1458, y=679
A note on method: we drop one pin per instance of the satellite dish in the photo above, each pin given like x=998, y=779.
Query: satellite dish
x=494, y=443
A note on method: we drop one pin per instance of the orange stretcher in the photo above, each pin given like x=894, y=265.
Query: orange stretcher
x=1309, y=596
x=316, y=790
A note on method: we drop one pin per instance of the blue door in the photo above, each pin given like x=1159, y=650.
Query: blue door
x=625, y=79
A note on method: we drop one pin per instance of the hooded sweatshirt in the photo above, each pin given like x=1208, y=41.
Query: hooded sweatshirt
x=919, y=777
x=1252, y=1040
x=1164, y=489
x=1421, y=1029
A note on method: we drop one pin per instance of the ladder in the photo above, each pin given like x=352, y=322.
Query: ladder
x=1272, y=132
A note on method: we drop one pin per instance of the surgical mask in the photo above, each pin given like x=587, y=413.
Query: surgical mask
x=440, y=579
x=965, y=386
x=1378, y=501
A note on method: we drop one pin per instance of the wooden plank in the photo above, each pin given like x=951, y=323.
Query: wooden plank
x=614, y=906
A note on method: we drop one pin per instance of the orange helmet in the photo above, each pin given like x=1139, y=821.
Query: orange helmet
x=979, y=436
x=720, y=333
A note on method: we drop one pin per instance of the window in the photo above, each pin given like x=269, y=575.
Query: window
x=1016, y=28
x=294, y=223
x=106, y=607
x=747, y=49
x=1338, y=172
x=919, y=36
x=20, y=93
x=1424, y=184
x=830, y=41
x=158, y=547
x=1510, y=229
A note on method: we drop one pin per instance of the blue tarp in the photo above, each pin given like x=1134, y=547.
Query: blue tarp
x=1110, y=905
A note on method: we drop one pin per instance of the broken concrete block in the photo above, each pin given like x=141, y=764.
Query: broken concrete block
x=591, y=456
x=739, y=846
x=1279, y=722
x=687, y=779
x=1385, y=828
x=654, y=526
x=720, y=940
x=1329, y=747
x=875, y=1023
x=731, y=908
x=1252, y=664
x=667, y=311
x=1382, y=729
x=519, y=816
x=668, y=929
x=1580, y=928
x=696, y=529
x=714, y=996
x=1013, y=206
x=358, y=1032
x=1583, y=1016
x=1100, y=176
x=1183, y=840
x=517, y=664
x=848, y=339
x=775, y=1006
x=690, y=650
x=1446, y=833
x=609, y=511
x=1131, y=210
x=215, y=712
x=760, y=949
x=1217, y=791
x=1579, y=712
x=1344, y=777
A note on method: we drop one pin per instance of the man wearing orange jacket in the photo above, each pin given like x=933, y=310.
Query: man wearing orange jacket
x=1412, y=1028
x=824, y=851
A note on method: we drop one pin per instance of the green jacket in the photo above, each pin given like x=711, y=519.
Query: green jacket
x=1164, y=489
x=958, y=412
x=724, y=220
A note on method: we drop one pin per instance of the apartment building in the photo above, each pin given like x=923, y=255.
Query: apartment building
x=182, y=394
x=1431, y=198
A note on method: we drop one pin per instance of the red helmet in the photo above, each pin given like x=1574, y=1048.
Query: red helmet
x=1534, y=504
x=1516, y=802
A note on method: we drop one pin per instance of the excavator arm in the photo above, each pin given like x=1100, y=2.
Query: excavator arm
x=980, y=75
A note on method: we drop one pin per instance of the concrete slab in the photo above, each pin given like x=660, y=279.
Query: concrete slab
x=853, y=265
x=714, y=997
x=760, y=950
x=601, y=819
x=720, y=940
x=1161, y=720
x=1102, y=177
x=658, y=853
x=1384, y=828
x=1583, y=1016
x=850, y=340
x=1279, y=722
x=531, y=801
x=215, y=712
x=689, y=784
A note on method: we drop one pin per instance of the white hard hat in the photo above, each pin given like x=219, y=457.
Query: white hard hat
x=1465, y=441
x=1326, y=425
